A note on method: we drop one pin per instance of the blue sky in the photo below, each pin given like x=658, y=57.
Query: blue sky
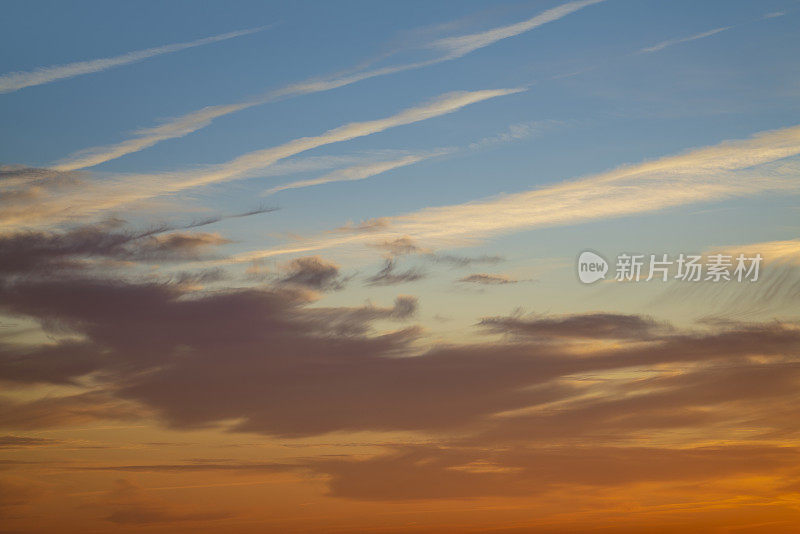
x=312, y=266
x=596, y=98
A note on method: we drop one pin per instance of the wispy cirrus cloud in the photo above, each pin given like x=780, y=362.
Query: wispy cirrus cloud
x=732, y=168
x=776, y=292
x=702, y=35
x=389, y=275
x=670, y=42
x=488, y=279
x=14, y=81
x=358, y=172
x=460, y=46
x=98, y=196
x=362, y=171
x=451, y=48
x=145, y=138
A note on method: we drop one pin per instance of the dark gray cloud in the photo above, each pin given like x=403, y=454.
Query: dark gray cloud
x=269, y=359
x=464, y=261
x=32, y=252
x=313, y=272
x=21, y=442
x=22, y=186
x=64, y=411
x=488, y=279
x=197, y=465
x=588, y=325
x=389, y=275
x=406, y=246
x=264, y=357
x=467, y=472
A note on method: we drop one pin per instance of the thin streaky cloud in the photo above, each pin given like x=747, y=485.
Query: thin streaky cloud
x=356, y=172
x=459, y=46
x=670, y=42
x=786, y=251
x=452, y=48
x=111, y=194
x=765, y=162
x=363, y=171
x=14, y=81
x=145, y=138
x=197, y=120
x=248, y=164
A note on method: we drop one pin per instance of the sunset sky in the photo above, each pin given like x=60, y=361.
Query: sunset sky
x=312, y=266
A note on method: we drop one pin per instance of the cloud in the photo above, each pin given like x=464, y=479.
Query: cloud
x=781, y=251
x=488, y=279
x=446, y=388
x=179, y=245
x=16, y=492
x=65, y=411
x=664, y=44
x=405, y=246
x=401, y=246
x=455, y=47
x=464, y=261
x=388, y=275
x=363, y=171
x=31, y=195
x=765, y=162
x=111, y=193
x=265, y=360
x=514, y=132
x=17, y=175
x=775, y=292
x=21, y=442
x=197, y=465
x=452, y=48
x=58, y=363
x=34, y=252
x=507, y=418
x=132, y=505
x=15, y=81
x=146, y=138
x=356, y=172
x=670, y=42
x=313, y=272
x=407, y=472
x=590, y=325
x=370, y=225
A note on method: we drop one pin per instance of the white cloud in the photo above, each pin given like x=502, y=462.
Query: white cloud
x=357, y=172
x=15, y=81
x=114, y=193
x=452, y=47
x=725, y=170
x=459, y=46
x=664, y=44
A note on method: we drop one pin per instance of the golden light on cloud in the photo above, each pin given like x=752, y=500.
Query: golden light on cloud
x=321, y=298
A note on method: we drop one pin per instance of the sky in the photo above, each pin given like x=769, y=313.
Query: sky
x=321, y=266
